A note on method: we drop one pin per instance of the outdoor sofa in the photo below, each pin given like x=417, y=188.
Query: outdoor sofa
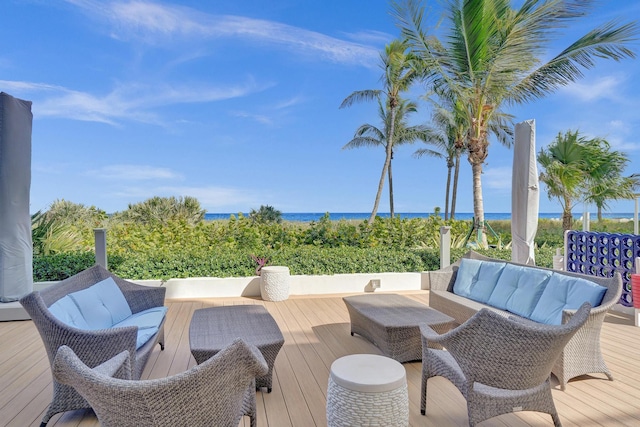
x=530, y=294
x=97, y=315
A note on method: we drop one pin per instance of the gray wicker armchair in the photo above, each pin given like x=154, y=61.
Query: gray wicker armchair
x=500, y=365
x=93, y=347
x=216, y=392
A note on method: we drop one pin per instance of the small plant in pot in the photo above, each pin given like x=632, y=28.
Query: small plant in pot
x=261, y=261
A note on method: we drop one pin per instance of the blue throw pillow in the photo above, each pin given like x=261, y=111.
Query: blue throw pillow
x=66, y=310
x=565, y=293
x=486, y=280
x=529, y=288
x=467, y=272
x=102, y=305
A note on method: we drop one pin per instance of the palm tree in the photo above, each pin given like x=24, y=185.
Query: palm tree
x=368, y=135
x=580, y=169
x=492, y=56
x=606, y=181
x=564, y=172
x=399, y=74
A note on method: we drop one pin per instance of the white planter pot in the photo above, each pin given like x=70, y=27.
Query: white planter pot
x=274, y=283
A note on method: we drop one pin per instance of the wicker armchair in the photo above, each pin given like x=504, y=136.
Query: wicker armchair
x=216, y=392
x=93, y=347
x=500, y=365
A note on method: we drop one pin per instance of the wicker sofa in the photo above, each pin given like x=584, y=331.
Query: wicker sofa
x=527, y=301
x=78, y=312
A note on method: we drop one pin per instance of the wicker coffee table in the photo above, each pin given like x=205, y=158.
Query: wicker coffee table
x=392, y=323
x=212, y=329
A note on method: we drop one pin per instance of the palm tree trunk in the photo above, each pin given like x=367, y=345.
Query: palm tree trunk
x=567, y=219
x=478, y=203
x=454, y=196
x=387, y=162
x=446, y=196
x=390, y=186
x=599, y=213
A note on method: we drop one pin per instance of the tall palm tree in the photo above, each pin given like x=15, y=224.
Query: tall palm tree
x=368, y=135
x=448, y=134
x=442, y=137
x=398, y=76
x=492, y=56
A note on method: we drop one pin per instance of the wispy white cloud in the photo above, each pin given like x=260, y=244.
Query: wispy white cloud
x=125, y=102
x=211, y=198
x=156, y=23
x=607, y=87
x=498, y=178
x=134, y=173
x=260, y=118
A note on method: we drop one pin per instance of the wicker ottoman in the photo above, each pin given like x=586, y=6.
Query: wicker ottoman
x=392, y=323
x=367, y=390
x=214, y=328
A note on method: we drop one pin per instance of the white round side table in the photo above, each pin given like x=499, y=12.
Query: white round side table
x=274, y=283
x=367, y=390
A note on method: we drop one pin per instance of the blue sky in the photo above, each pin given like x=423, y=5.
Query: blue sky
x=236, y=103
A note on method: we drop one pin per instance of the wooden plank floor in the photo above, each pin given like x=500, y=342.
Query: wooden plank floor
x=316, y=331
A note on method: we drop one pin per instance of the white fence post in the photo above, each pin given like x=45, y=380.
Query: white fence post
x=445, y=247
x=100, y=236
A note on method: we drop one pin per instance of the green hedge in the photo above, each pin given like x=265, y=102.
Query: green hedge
x=308, y=259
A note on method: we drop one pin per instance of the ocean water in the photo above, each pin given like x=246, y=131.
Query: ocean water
x=336, y=216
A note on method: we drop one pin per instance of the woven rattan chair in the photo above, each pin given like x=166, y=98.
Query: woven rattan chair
x=500, y=365
x=93, y=347
x=216, y=392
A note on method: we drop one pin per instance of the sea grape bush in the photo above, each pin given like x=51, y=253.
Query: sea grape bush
x=178, y=248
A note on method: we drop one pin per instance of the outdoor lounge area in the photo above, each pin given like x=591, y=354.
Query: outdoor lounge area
x=316, y=329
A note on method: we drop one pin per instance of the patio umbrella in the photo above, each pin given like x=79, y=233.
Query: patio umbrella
x=524, y=194
x=16, y=249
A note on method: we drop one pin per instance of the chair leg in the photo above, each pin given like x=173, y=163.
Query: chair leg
x=556, y=420
x=423, y=394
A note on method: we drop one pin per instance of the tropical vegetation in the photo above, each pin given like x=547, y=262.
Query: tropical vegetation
x=399, y=75
x=174, y=248
x=491, y=56
x=578, y=169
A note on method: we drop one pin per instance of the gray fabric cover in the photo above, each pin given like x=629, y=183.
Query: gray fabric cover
x=525, y=197
x=16, y=248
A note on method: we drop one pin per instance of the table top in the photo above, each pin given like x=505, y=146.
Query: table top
x=216, y=327
x=393, y=310
x=368, y=373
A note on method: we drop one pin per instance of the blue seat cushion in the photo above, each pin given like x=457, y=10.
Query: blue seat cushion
x=565, y=293
x=102, y=305
x=147, y=321
x=66, y=310
x=519, y=289
x=476, y=279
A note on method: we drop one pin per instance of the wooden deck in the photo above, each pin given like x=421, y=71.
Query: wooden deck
x=316, y=331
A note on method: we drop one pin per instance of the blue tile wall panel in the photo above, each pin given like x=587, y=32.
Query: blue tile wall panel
x=602, y=254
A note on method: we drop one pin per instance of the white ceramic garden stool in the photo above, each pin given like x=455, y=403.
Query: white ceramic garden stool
x=367, y=390
x=274, y=283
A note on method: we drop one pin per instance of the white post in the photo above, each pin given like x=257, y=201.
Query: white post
x=100, y=236
x=558, y=260
x=445, y=247
x=635, y=217
x=585, y=221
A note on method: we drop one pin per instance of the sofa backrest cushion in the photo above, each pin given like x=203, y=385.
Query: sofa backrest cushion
x=476, y=279
x=102, y=305
x=66, y=310
x=519, y=288
x=565, y=293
